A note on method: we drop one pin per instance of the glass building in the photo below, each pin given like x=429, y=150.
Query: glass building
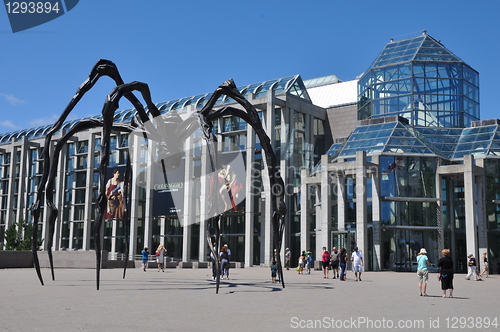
x=422, y=81
x=176, y=220
x=417, y=170
x=392, y=162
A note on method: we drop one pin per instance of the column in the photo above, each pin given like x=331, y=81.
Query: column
x=136, y=151
x=376, y=222
x=439, y=212
x=470, y=206
x=341, y=201
x=88, y=193
x=323, y=236
x=187, y=213
x=23, y=169
x=482, y=229
x=148, y=215
x=204, y=200
x=249, y=197
x=361, y=213
x=304, y=202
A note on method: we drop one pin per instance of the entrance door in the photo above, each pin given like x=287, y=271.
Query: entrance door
x=344, y=239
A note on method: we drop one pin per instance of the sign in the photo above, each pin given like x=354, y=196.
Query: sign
x=25, y=15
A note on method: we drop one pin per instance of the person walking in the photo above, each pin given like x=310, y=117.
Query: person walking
x=228, y=251
x=343, y=263
x=485, y=265
x=160, y=257
x=422, y=271
x=325, y=261
x=301, y=262
x=224, y=264
x=445, y=266
x=471, y=260
x=334, y=262
x=357, y=263
x=145, y=258
x=309, y=260
x=288, y=257
x=274, y=270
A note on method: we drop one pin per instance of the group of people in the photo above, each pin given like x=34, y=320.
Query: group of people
x=472, y=267
x=445, y=274
x=224, y=256
x=160, y=257
x=336, y=261
x=305, y=261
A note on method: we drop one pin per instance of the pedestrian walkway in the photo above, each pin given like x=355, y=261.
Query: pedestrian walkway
x=185, y=300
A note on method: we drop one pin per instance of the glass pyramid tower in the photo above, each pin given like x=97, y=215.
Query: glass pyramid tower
x=421, y=80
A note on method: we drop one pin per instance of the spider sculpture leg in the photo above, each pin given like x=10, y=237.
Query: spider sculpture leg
x=160, y=131
x=101, y=68
x=169, y=159
x=53, y=214
x=250, y=115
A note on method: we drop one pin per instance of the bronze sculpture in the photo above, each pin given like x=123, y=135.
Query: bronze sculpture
x=165, y=131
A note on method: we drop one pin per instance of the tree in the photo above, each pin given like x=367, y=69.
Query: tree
x=19, y=236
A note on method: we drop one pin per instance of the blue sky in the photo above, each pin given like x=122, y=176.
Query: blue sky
x=184, y=48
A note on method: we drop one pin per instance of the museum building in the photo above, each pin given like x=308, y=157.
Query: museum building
x=393, y=161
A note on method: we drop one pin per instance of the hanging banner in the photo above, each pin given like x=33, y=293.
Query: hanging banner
x=115, y=193
x=168, y=191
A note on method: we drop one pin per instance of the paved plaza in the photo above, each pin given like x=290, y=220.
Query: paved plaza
x=185, y=300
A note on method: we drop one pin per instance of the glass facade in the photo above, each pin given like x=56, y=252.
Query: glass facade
x=399, y=182
x=297, y=135
x=420, y=80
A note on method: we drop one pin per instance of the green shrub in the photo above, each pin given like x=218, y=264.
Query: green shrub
x=19, y=236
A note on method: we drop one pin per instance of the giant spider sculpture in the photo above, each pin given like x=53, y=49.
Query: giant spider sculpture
x=168, y=132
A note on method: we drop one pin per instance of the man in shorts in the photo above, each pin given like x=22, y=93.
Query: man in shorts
x=334, y=261
x=357, y=263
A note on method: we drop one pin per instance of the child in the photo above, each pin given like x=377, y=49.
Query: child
x=274, y=269
x=145, y=258
x=300, y=268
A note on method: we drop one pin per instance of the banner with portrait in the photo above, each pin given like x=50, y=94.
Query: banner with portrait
x=115, y=193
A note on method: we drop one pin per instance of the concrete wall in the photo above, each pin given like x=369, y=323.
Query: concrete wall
x=86, y=260
x=15, y=259
x=72, y=259
x=342, y=120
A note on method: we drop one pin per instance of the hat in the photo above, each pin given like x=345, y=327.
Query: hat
x=287, y=248
x=355, y=248
x=469, y=255
x=225, y=245
x=423, y=251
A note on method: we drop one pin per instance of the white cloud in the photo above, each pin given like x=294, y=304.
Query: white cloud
x=43, y=121
x=12, y=100
x=8, y=124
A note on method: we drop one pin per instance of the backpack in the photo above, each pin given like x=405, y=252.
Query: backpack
x=310, y=259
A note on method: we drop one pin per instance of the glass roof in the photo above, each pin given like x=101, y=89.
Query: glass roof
x=291, y=84
x=398, y=138
x=479, y=141
x=321, y=81
x=391, y=137
x=423, y=47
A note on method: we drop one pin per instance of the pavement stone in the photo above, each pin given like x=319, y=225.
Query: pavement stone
x=185, y=300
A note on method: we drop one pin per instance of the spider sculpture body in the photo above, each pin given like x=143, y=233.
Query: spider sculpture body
x=168, y=132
